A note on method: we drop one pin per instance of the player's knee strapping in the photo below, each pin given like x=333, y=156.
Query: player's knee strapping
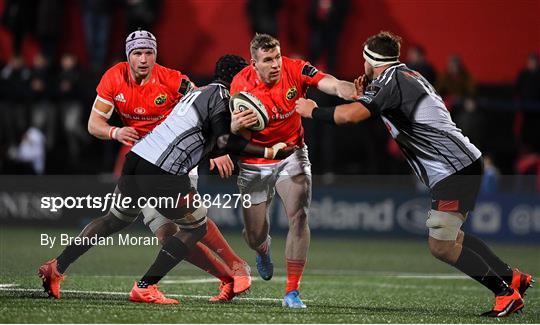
x=127, y=215
x=192, y=220
x=444, y=225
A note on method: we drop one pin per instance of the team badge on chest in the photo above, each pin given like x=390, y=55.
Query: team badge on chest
x=291, y=93
x=161, y=99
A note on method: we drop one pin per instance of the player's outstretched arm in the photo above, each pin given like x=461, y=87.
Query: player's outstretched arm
x=343, y=114
x=341, y=88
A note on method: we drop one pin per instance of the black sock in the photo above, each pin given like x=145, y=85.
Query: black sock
x=172, y=252
x=474, y=266
x=480, y=248
x=70, y=255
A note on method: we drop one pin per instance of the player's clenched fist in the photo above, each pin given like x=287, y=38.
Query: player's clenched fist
x=361, y=83
x=305, y=107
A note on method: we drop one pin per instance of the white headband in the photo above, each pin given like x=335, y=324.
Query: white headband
x=377, y=60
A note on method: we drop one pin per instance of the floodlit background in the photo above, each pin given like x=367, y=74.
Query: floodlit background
x=368, y=261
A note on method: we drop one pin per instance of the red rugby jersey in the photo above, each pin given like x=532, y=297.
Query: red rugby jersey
x=285, y=124
x=142, y=106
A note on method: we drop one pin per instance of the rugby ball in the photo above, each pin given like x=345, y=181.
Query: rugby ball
x=244, y=101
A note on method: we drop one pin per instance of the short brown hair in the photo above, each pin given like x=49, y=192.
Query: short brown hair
x=384, y=43
x=264, y=42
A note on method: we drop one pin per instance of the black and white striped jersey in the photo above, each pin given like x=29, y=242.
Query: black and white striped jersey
x=189, y=133
x=418, y=120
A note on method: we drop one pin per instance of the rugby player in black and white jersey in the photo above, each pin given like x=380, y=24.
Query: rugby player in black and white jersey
x=439, y=154
x=159, y=164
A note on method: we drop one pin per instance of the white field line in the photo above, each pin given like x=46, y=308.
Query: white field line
x=8, y=285
x=126, y=294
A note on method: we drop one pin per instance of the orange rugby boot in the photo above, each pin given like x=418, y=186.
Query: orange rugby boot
x=506, y=305
x=241, y=273
x=521, y=281
x=150, y=295
x=51, y=278
x=226, y=293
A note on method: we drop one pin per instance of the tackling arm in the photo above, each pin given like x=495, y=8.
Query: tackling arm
x=343, y=114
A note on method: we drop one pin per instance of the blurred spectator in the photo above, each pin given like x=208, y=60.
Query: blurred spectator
x=14, y=85
x=19, y=18
x=326, y=19
x=490, y=179
x=70, y=105
x=43, y=111
x=141, y=14
x=528, y=91
x=29, y=155
x=97, y=21
x=263, y=16
x=416, y=60
x=528, y=80
x=455, y=84
x=50, y=22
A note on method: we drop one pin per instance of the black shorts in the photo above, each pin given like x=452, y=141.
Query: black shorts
x=141, y=178
x=458, y=192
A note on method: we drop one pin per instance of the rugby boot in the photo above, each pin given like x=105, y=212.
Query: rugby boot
x=241, y=273
x=265, y=266
x=150, y=295
x=521, y=281
x=292, y=300
x=226, y=293
x=51, y=278
x=506, y=305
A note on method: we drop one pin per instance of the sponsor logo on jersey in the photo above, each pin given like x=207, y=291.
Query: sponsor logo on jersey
x=366, y=99
x=291, y=93
x=372, y=90
x=120, y=98
x=279, y=114
x=143, y=117
x=139, y=110
x=161, y=99
x=309, y=70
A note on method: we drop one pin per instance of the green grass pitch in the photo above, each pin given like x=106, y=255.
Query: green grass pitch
x=347, y=280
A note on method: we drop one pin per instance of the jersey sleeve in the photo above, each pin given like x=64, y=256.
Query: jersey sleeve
x=178, y=83
x=105, y=88
x=308, y=74
x=220, y=118
x=105, y=94
x=380, y=95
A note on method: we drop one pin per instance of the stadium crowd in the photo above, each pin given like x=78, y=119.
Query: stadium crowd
x=45, y=104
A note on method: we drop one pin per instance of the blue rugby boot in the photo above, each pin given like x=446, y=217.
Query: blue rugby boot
x=292, y=300
x=265, y=267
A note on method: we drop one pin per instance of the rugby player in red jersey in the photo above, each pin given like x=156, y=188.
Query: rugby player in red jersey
x=143, y=93
x=278, y=82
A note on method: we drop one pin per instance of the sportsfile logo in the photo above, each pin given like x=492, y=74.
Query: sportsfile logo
x=117, y=200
